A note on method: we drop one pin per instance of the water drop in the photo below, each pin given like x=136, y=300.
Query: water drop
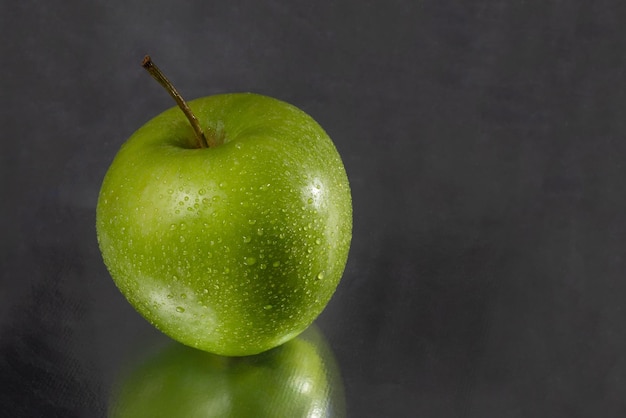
x=320, y=275
x=276, y=263
x=201, y=192
x=318, y=241
x=246, y=239
x=183, y=296
x=267, y=307
x=182, y=239
x=183, y=225
x=216, y=198
x=251, y=221
x=250, y=261
x=180, y=309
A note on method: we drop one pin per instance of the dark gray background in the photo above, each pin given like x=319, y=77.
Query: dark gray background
x=484, y=142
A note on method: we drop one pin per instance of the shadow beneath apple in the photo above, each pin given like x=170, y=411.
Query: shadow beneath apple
x=298, y=379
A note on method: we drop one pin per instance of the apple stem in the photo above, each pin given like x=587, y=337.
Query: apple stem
x=156, y=73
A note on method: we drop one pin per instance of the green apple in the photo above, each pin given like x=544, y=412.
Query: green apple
x=234, y=248
x=298, y=379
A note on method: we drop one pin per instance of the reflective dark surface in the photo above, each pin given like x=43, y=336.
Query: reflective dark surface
x=484, y=142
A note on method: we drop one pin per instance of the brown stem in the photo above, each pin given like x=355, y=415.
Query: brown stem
x=156, y=73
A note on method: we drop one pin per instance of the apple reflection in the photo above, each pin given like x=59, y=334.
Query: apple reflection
x=298, y=379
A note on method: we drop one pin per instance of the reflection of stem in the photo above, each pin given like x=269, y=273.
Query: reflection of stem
x=156, y=73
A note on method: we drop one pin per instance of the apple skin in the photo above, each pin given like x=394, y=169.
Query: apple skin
x=233, y=249
x=298, y=379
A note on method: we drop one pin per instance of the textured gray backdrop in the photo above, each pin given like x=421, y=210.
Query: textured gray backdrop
x=485, y=145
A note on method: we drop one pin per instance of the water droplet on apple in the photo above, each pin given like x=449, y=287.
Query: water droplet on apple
x=170, y=191
x=267, y=307
x=201, y=192
x=205, y=291
x=182, y=239
x=320, y=275
x=276, y=263
x=251, y=221
x=180, y=309
x=259, y=231
x=250, y=261
x=183, y=226
x=246, y=239
x=183, y=296
x=318, y=241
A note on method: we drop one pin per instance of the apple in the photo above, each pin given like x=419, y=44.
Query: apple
x=298, y=379
x=235, y=247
